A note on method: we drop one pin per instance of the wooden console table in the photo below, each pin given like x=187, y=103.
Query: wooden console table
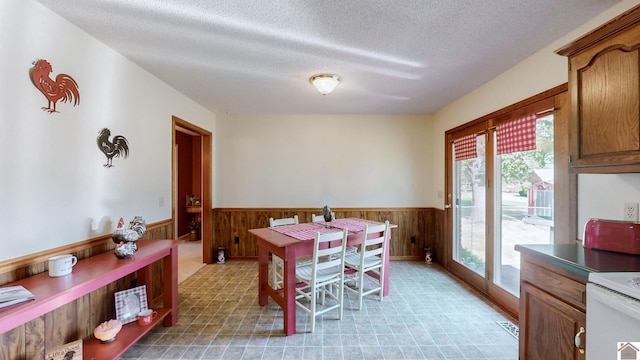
x=93, y=273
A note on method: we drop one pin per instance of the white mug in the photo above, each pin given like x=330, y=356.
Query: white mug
x=61, y=265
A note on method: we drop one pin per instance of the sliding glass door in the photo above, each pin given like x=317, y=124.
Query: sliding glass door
x=500, y=176
x=524, y=178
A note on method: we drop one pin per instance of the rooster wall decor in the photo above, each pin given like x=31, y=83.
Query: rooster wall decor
x=119, y=147
x=64, y=88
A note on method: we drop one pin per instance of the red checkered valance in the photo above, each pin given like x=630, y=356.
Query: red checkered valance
x=465, y=147
x=517, y=135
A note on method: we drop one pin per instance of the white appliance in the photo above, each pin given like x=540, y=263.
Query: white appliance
x=613, y=315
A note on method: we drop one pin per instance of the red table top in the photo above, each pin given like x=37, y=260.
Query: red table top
x=286, y=235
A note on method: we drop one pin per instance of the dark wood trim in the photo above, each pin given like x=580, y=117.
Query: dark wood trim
x=565, y=204
x=207, y=206
x=513, y=108
x=417, y=228
x=206, y=182
x=616, y=25
x=542, y=105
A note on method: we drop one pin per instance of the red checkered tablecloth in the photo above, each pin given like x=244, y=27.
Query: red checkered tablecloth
x=306, y=231
x=354, y=225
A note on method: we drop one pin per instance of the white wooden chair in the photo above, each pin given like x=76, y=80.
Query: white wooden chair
x=277, y=264
x=324, y=276
x=284, y=221
x=320, y=218
x=369, y=258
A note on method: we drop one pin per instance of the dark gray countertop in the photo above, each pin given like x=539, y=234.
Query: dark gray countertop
x=576, y=258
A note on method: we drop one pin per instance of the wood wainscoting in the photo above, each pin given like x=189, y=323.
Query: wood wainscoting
x=77, y=319
x=417, y=228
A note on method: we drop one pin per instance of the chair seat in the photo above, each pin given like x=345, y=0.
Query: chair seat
x=353, y=260
x=351, y=250
x=305, y=272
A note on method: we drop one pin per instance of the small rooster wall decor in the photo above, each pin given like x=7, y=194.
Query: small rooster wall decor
x=119, y=147
x=64, y=88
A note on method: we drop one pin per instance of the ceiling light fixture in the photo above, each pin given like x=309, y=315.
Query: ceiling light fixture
x=325, y=83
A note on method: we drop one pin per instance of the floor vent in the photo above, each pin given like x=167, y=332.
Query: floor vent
x=509, y=327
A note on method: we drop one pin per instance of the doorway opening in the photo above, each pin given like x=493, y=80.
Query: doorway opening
x=191, y=185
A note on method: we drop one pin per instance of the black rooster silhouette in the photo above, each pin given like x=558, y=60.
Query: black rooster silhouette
x=118, y=147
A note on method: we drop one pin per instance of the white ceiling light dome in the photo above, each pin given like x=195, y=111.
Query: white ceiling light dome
x=325, y=83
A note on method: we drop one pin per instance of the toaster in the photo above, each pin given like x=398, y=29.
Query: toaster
x=612, y=235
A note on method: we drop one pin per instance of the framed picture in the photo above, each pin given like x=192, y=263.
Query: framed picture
x=130, y=302
x=190, y=199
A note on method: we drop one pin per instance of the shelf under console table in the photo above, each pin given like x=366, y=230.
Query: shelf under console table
x=94, y=273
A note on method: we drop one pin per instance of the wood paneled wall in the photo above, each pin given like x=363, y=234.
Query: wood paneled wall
x=435, y=219
x=425, y=225
x=77, y=319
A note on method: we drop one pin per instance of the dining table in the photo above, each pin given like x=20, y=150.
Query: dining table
x=291, y=241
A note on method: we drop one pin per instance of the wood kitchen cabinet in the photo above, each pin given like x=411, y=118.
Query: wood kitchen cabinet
x=604, y=86
x=552, y=311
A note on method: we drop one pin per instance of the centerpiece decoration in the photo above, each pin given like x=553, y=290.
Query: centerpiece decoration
x=328, y=215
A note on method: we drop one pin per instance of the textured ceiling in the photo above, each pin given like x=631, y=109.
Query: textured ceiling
x=256, y=56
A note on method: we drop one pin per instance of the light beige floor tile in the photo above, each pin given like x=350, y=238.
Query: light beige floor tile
x=428, y=315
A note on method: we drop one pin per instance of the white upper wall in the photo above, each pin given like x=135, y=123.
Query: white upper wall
x=54, y=189
x=317, y=160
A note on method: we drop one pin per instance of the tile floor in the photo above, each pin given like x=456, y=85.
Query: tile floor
x=189, y=259
x=428, y=315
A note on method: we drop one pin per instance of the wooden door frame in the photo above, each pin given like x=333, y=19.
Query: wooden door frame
x=206, y=182
x=476, y=280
